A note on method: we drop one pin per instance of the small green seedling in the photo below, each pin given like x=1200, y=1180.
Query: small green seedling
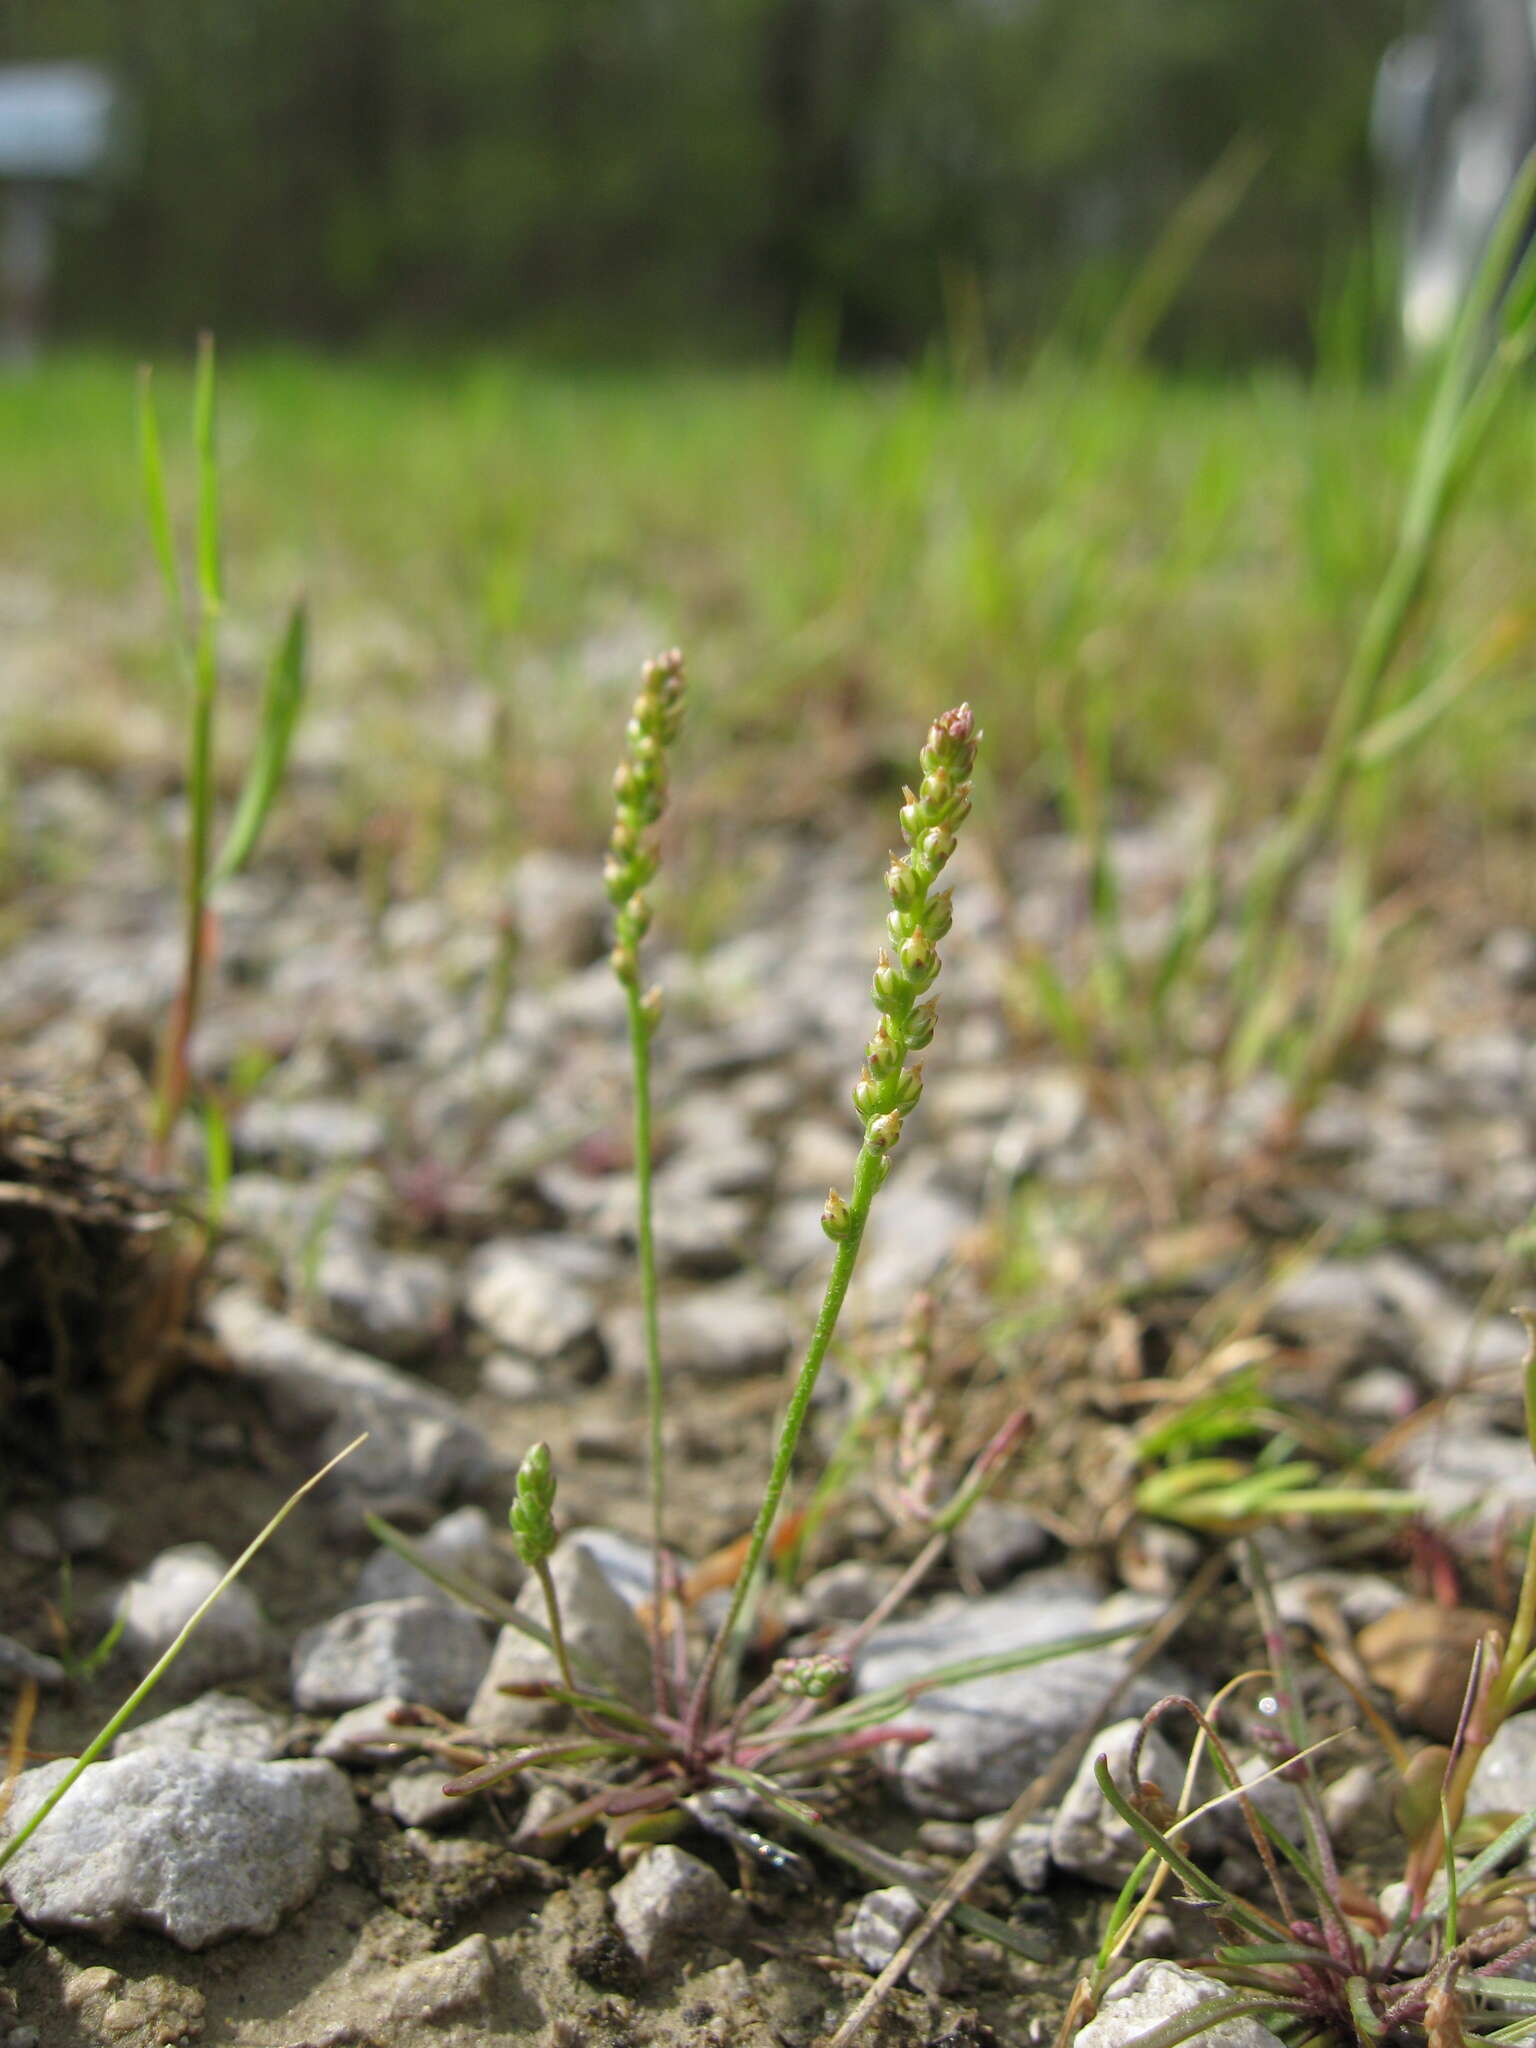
x=195, y=631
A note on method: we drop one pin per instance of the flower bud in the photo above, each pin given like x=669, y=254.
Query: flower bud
x=919, y=1026
x=915, y=951
x=883, y=1055
x=881, y=1133
x=650, y=1009
x=908, y=1090
x=836, y=1216
x=532, y=1512
x=867, y=1094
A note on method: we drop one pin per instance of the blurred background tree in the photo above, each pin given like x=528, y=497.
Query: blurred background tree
x=641, y=177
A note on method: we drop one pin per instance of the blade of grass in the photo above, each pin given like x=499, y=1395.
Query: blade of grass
x=162, y=1664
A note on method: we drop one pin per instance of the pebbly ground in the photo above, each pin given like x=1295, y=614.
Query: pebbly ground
x=428, y=1235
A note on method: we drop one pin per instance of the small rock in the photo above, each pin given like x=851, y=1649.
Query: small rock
x=1357, y=1810
x=849, y=1590
x=1155, y=1992
x=430, y=1652
x=881, y=1923
x=669, y=1899
x=511, y=1379
x=599, y=1628
x=533, y=1309
x=1421, y=1653
x=420, y=1446
x=997, y=1540
x=560, y=908
x=1511, y=954
x=437, y=1986
x=84, y=1524
x=233, y=1638
x=218, y=1724
x=416, y=1798
x=1506, y=1775
x=395, y=1305
x=991, y=1735
x=462, y=1542
x=17, y=1662
x=1474, y=1475
x=1027, y=1857
x=366, y=1735
x=194, y=1847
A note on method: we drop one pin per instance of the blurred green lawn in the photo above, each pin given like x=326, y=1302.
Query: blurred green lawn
x=1184, y=564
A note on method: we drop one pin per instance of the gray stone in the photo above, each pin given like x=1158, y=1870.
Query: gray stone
x=462, y=1542
x=1088, y=1837
x=1511, y=954
x=671, y=1899
x=17, y=1662
x=420, y=1446
x=1155, y=1992
x=367, y=1735
x=1470, y=1472
x=312, y=1134
x=231, y=1641
x=881, y=1922
x=435, y=1987
x=599, y=1628
x=507, y=1378
x=218, y=1724
x=721, y=1332
x=1027, y=1858
x=997, y=1540
x=427, y=1651
x=85, y=1524
x=1506, y=1776
x=524, y=1303
x=416, y=1798
x=990, y=1735
x=395, y=1305
x=192, y=1846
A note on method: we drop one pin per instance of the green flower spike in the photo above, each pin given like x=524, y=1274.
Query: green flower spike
x=640, y=796
x=886, y=1092
x=532, y=1513
x=888, y=1089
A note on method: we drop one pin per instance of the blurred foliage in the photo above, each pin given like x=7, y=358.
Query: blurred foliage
x=638, y=177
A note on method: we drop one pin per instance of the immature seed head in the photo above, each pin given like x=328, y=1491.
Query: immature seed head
x=887, y=1089
x=812, y=1677
x=532, y=1513
x=640, y=796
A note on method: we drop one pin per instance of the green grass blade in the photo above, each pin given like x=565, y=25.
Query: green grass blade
x=146, y=1685
x=209, y=576
x=281, y=705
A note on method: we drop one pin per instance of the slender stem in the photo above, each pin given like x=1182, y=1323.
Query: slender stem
x=868, y=1173
x=556, y=1631
x=645, y=1236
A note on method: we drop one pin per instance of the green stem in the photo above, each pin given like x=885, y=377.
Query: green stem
x=556, y=1631
x=640, y=1050
x=868, y=1173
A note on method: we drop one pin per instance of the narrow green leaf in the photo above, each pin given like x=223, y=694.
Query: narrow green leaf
x=209, y=577
x=282, y=702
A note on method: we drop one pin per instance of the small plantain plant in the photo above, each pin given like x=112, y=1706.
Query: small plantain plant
x=1435, y=1961
x=707, y=1732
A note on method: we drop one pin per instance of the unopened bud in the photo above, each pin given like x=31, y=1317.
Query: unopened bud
x=836, y=1216
x=810, y=1678
x=532, y=1512
x=650, y=1009
x=920, y=1025
x=882, y=1132
x=908, y=1090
